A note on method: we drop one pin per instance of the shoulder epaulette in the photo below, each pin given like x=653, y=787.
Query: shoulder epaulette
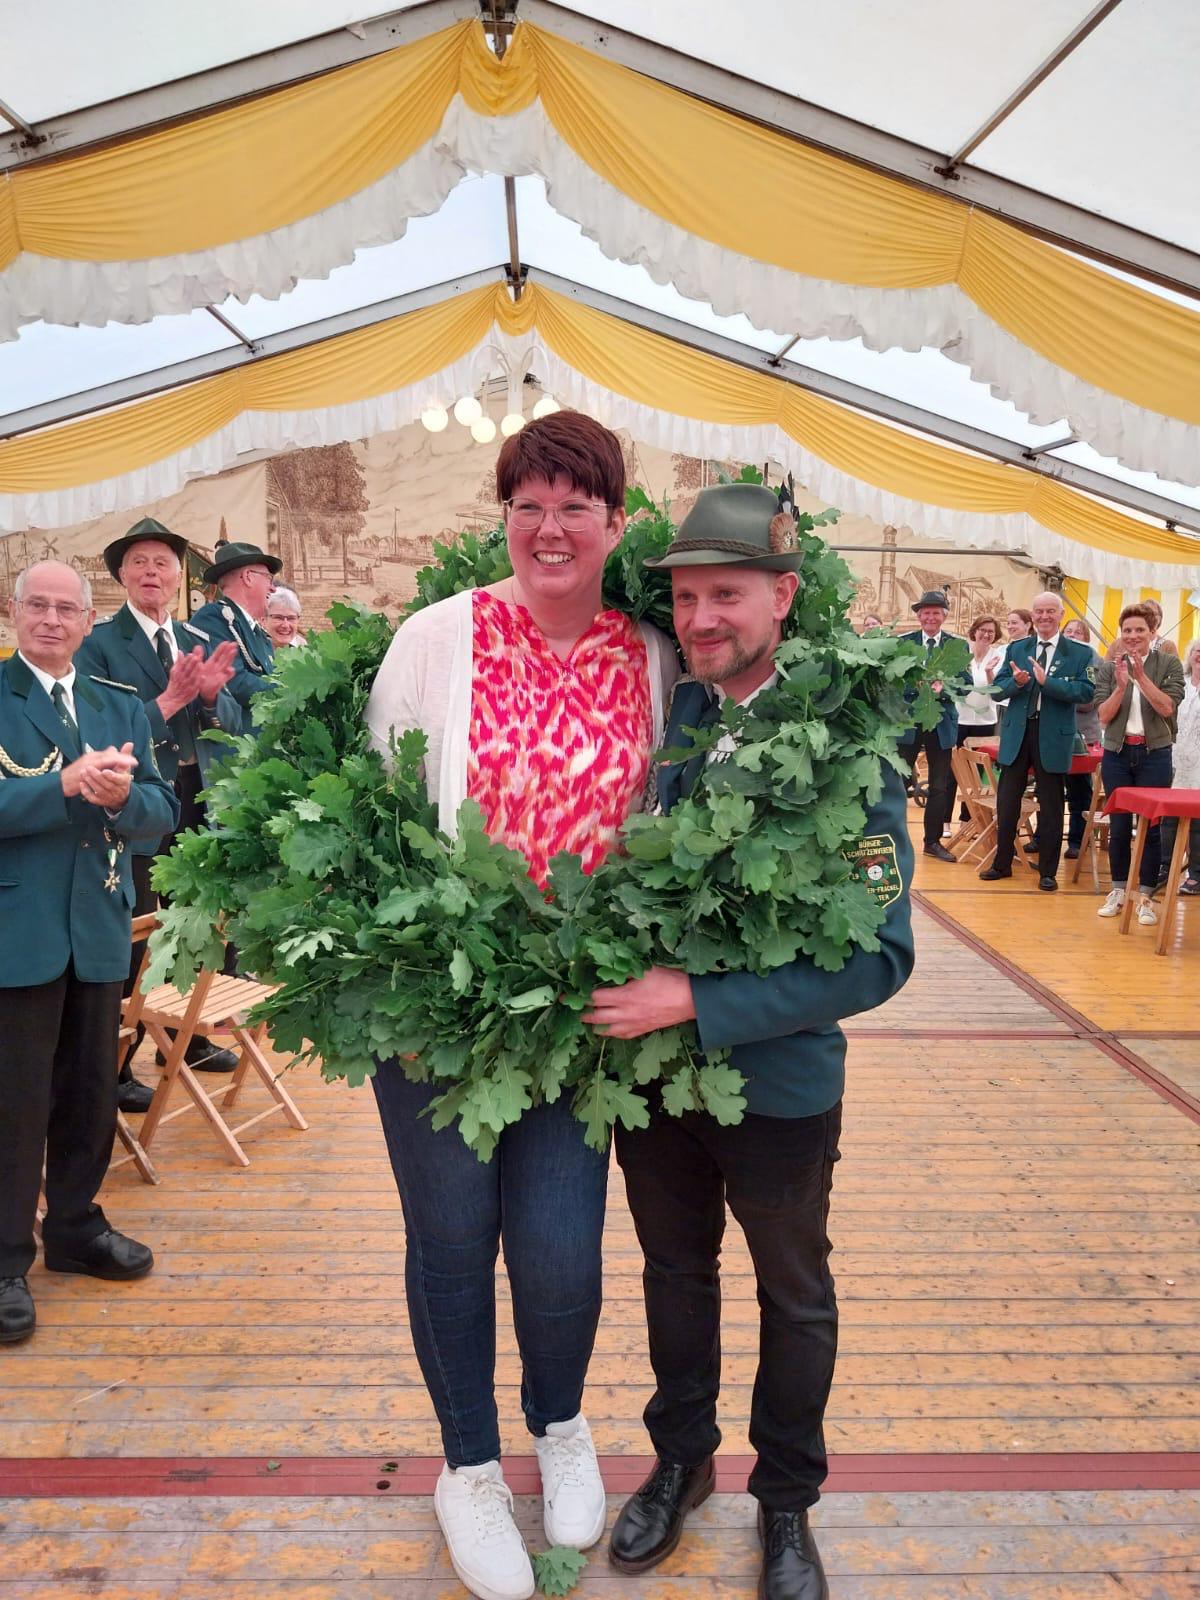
x=112, y=683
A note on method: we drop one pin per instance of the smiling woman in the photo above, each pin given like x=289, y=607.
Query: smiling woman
x=543, y=708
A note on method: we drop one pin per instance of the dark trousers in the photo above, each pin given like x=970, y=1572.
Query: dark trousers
x=191, y=815
x=543, y=1193
x=1051, y=790
x=937, y=805
x=776, y=1174
x=1133, y=766
x=58, y=1090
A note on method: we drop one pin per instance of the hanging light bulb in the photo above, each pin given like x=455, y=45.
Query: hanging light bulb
x=483, y=430
x=546, y=406
x=467, y=410
x=511, y=423
x=435, y=418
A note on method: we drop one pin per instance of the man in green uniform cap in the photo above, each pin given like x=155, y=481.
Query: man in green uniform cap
x=78, y=787
x=182, y=687
x=733, y=568
x=245, y=577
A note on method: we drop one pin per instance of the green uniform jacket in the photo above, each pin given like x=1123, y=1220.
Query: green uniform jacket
x=783, y=1028
x=118, y=649
x=1069, y=683
x=220, y=620
x=66, y=884
x=947, y=727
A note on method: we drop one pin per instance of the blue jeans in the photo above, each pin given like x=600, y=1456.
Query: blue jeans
x=543, y=1192
x=1134, y=766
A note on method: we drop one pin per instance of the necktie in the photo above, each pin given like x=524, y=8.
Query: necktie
x=59, y=696
x=1043, y=655
x=181, y=722
x=930, y=642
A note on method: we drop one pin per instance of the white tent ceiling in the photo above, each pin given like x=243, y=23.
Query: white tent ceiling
x=1113, y=129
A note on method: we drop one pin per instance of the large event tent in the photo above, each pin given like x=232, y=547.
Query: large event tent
x=832, y=219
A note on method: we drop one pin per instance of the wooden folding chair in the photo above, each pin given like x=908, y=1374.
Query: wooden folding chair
x=1095, y=833
x=215, y=1004
x=978, y=783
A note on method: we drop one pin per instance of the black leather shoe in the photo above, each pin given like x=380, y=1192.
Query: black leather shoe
x=1032, y=848
x=941, y=853
x=109, y=1255
x=17, y=1316
x=1071, y=853
x=992, y=874
x=1048, y=883
x=204, y=1057
x=791, y=1568
x=133, y=1095
x=649, y=1525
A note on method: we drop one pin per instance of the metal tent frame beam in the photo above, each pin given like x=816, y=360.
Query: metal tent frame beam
x=898, y=412
x=1057, y=220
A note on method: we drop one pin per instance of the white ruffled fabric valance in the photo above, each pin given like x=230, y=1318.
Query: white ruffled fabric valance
x=275, y=432
x=270, y=264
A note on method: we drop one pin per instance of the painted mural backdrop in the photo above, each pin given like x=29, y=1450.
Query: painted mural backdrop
x=360, y=519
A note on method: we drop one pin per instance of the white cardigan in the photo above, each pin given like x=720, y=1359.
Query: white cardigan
x=425, y=682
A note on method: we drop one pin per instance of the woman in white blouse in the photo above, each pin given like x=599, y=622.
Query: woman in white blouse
x=977, y=715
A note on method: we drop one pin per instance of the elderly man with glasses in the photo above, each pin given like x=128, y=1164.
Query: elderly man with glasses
x=78, y=788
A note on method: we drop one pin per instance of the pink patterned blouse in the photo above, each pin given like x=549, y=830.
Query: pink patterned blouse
x=559, y=750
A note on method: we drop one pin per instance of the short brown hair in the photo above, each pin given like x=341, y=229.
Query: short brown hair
x=566, y=444
x=979, y=622
x=1139, y=609
x=1025, y=616
x=1078, y=622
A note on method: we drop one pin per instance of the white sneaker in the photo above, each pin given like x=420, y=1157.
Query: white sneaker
x=1146, y=913
x=474, y=1509
x=1112, y=906
x=574, y=1509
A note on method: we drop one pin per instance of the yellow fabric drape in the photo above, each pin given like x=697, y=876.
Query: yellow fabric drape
x=257, y=167
x=645, y=367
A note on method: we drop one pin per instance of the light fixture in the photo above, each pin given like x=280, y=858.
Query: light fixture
x=546, y=406
x=435, y=418
x=511, y=423
x=483, y=430
x=467, y=410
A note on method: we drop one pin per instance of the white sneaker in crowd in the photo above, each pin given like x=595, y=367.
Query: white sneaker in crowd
x=1146, y=913
x=1112, y=906
x=574, y=1509
x=474, y=1509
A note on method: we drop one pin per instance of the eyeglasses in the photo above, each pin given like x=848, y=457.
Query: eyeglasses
x=572, y=516
x=65, y=610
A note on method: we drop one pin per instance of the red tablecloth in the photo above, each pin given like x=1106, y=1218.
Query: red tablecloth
x=1155, y=803
x=1086, y=763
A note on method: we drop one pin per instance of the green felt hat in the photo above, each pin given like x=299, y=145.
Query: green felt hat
x=141, y=531
x=735, y=525
x=229, y=557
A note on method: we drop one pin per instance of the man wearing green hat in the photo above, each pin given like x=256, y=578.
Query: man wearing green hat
x=245, y=577
x=733, y=568
x=167, y=664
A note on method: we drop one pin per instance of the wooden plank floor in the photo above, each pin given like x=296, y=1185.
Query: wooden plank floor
x=1059, y=1546
x=1018, y=1261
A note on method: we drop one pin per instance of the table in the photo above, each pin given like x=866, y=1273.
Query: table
x=1151, y=806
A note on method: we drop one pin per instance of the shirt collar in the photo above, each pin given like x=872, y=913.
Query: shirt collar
x=768, y=683
x=147, y=624
x=48, y=680
x=1051, y=643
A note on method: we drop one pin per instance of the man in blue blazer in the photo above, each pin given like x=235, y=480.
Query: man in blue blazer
x=182, y=689
x=938, y=743
x=78, y=788
x=1045, y=677
x=733, y=570
x=245, y=576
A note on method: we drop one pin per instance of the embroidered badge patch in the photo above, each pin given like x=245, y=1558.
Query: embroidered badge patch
x=874, y=862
